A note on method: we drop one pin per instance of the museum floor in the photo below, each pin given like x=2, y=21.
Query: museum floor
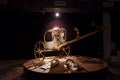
x=13, y=69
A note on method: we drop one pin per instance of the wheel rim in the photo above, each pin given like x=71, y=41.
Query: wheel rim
x=39, y=46
x=66, y=50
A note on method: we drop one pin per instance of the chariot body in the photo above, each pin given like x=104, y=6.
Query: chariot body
x=58, y=43
x=58, y=38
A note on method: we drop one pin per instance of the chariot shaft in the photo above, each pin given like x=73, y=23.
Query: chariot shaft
x=77, y=39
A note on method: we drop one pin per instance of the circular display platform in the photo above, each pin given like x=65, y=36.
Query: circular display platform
x=65, y=68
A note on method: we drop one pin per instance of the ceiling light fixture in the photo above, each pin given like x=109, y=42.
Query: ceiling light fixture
x=57, y=14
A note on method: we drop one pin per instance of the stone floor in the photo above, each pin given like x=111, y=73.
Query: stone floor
x=11, y=69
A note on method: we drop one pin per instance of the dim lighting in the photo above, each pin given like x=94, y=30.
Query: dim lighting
x=57, y=14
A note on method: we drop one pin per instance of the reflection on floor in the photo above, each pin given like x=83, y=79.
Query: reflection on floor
x=13, y=69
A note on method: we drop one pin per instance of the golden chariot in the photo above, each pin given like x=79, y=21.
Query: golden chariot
x=58, y=42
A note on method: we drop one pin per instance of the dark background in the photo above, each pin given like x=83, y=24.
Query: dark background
x=20, y=30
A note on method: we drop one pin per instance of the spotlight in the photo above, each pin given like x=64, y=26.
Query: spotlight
x=57, y=14
x=56, y=27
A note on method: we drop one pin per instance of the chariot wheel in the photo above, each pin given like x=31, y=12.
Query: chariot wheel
x=66, y=50
x=38, y=49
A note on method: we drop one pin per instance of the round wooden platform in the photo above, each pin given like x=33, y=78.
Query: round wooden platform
x=66, y=68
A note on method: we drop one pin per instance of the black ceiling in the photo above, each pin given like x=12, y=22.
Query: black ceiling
x=83, y=6
x=76, y=6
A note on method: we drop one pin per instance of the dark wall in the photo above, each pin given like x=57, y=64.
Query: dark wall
x=21, y=30
x=115, y=34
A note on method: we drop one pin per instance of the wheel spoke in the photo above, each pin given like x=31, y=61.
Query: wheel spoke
x=39, y=44
x=37, y=49
x=66, y=50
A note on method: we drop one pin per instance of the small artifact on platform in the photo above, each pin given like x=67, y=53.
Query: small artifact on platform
x=47, y=66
